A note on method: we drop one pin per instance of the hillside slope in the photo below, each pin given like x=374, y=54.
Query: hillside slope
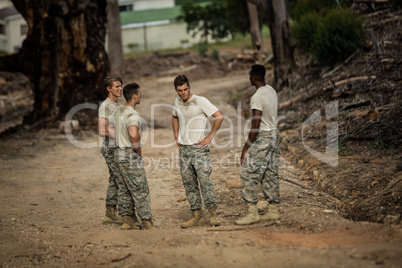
x=351, y=115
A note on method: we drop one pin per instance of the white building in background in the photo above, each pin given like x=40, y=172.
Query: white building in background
x=132, y=5
x=13, y=27
x=152, y=25
x=154, y=29
x=145, y=25
x=5, y=3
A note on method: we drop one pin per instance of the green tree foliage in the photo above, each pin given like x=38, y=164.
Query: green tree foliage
x=326, y=29
x=205, y=19
x=338, y=36
x=304, y=31
x=301, y=7
x=237, y=16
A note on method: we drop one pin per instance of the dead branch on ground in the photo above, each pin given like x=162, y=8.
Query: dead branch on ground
x=122, y=259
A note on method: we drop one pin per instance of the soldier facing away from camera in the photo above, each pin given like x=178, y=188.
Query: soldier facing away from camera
x=260, y=155
x=126, y=128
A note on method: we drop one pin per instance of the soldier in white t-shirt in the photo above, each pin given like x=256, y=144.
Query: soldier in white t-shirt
x=126, y=128
x=190, y=116
x=260, y=155
x=113, y=85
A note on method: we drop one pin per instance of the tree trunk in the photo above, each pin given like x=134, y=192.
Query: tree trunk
x=63, y=54
x=280, y=37
x=115, y=49
x=255, y=30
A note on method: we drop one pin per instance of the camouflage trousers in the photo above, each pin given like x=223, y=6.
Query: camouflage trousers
x=261, y=166
x=133, y=189
x=114, y=174
x=195, y=169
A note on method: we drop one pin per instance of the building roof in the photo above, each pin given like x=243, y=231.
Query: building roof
x=7, y=12
x=149, y=15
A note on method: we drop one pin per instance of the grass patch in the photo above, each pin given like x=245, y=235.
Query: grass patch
x=238, y=42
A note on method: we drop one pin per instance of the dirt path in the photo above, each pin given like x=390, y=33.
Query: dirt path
x=53, y=193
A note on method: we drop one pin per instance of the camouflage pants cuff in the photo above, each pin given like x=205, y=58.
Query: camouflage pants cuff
x=211, y=206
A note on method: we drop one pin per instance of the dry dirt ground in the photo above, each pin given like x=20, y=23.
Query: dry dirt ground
x=52, y=192
x=52, y=198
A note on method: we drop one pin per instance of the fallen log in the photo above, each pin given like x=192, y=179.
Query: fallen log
x=352, y=79
x=340, y=94
x=348, y=80
x=179, y=70
x=122, y=259
x=330, y=73
x=355, y=105
x=248, y=227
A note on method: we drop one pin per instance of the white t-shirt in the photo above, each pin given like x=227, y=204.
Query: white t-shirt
x=107, y=108
x=122, y=118
x=193, y=116
x=266, y=100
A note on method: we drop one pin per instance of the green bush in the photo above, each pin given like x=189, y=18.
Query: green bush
x=132, y=46
x=202, y=49
x=305, y=30
x=303, y=7
x=338, y=36
x=215, y=54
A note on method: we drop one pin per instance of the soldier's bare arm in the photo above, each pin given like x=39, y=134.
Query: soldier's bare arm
x=135, y=138
x=102, y=127
x=253, y=133
x=175, y=124
x=111, y=130
x=217, y=124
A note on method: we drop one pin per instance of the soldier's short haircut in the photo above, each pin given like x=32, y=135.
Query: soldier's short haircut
x=130, y=90
x=109, y=80
x=258, y=70
x=180, y=80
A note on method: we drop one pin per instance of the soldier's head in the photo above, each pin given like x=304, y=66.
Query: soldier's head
x=109, y=80
x=181, y=80
x=113, y=84
x=132, y=92
x=182, y=87
x=257, y=74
